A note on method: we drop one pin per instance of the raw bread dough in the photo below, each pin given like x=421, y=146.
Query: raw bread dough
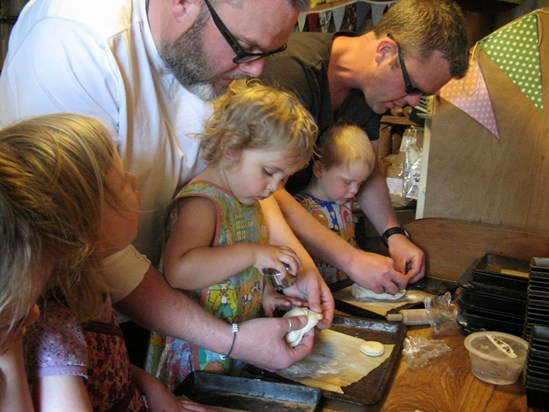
x=361, y=293
x=293, y=337
x=372, y=348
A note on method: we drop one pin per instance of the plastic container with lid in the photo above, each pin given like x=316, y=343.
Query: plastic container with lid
x=496, y=357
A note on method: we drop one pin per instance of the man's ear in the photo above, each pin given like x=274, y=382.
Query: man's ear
x=385, y=49
x=186, y=9
x=318, y=168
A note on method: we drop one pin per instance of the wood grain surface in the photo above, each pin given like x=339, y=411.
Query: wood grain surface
x=472, y=175
x=446, y=385
x=452, y=246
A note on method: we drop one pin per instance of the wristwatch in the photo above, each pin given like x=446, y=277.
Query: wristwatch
x=393, y=231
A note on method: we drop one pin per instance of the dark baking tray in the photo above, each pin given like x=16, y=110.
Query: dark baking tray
x=478, y=321
x=371, y=388
x=505, y=305
x=539, y=264
x=491, y=270
x=428, y=284
x=470, y=280
x=237, y=392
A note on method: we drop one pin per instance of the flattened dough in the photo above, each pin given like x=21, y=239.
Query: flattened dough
x=293, y=338
x=361, y=293
x=372, y=348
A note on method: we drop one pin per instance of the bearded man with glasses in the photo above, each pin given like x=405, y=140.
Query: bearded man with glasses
x=147, y=69
x=414, y=50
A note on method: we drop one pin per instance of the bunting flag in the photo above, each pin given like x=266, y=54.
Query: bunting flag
x=377, y=12
x=470, y=94
x=325, y=19
x=339, y=15
x=515, y=49
x=301, y=20
x=362, y=10
x=332, y=20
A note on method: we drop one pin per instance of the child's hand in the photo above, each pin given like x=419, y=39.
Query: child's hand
x=160, y=398
x=277, y=257
x=272, y=300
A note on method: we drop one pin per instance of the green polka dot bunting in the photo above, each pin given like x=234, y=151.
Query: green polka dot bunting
x=515, y=49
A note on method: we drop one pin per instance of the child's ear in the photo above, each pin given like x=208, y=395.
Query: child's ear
x=227, y=152
x=318, y=168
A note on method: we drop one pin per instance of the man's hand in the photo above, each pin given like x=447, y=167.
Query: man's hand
x=409, y=259
x=261, y=342
x=375, y=272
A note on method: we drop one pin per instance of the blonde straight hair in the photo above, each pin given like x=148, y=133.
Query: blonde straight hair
x=344, y=143
x=52, y=183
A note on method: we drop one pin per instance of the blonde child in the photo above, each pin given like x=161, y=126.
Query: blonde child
x=216, y=237
x=345, y=160
x=25, y=238
x=70, y=203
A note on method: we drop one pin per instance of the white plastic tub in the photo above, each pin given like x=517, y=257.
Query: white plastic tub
x=496, y=357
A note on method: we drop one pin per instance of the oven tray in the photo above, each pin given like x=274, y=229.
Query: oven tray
x=480, y=300
x=247, y=394
x=428, y=285
x=371, y=388
x=501, y=285
x=502, y=271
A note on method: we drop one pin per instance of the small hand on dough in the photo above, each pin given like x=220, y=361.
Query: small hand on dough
x=293, y=337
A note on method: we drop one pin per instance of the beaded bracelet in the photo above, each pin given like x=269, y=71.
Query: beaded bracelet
x=235, y=331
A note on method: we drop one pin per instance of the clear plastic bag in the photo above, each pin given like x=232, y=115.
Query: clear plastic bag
x=412, y=163
x=404, y=173
x=442, y=313
x=421, y=352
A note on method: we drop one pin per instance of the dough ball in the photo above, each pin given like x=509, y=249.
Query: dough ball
x=293, y=337
x=372, y=348
x=361, y=293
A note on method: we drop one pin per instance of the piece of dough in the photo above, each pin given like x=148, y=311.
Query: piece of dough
x=361, y=293
x=372, y=348
x=293, y=337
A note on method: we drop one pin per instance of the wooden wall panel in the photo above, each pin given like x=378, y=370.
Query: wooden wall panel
x=472, y=176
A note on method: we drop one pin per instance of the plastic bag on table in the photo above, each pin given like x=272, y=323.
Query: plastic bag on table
x=421, y=352
x=442, y=313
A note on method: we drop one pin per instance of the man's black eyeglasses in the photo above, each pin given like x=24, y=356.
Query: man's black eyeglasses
x=242, y=56
x=410, y=89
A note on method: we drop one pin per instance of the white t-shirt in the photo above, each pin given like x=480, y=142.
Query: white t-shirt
x=97, y=57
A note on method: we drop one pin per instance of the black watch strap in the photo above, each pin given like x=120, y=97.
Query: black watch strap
x=393, y=231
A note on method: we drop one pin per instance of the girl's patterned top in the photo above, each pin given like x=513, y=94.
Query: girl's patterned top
x=234, y=300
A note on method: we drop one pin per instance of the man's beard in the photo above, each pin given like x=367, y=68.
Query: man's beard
x=187, y=61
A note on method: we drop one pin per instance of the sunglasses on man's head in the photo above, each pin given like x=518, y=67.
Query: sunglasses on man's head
x=242, y=56
x=410, y=89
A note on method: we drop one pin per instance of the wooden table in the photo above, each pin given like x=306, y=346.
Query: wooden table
x=446, y=385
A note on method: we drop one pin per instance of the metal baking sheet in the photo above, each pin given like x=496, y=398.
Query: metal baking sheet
x=502, y=271
x=416, y=293
x=371, y=388
x=500, y=285
x=492, y=302
x=248, y=394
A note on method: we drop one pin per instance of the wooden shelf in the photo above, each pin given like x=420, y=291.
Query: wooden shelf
x=398, y=120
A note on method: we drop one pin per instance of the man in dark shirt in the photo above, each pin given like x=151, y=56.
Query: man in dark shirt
x=416, y=48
